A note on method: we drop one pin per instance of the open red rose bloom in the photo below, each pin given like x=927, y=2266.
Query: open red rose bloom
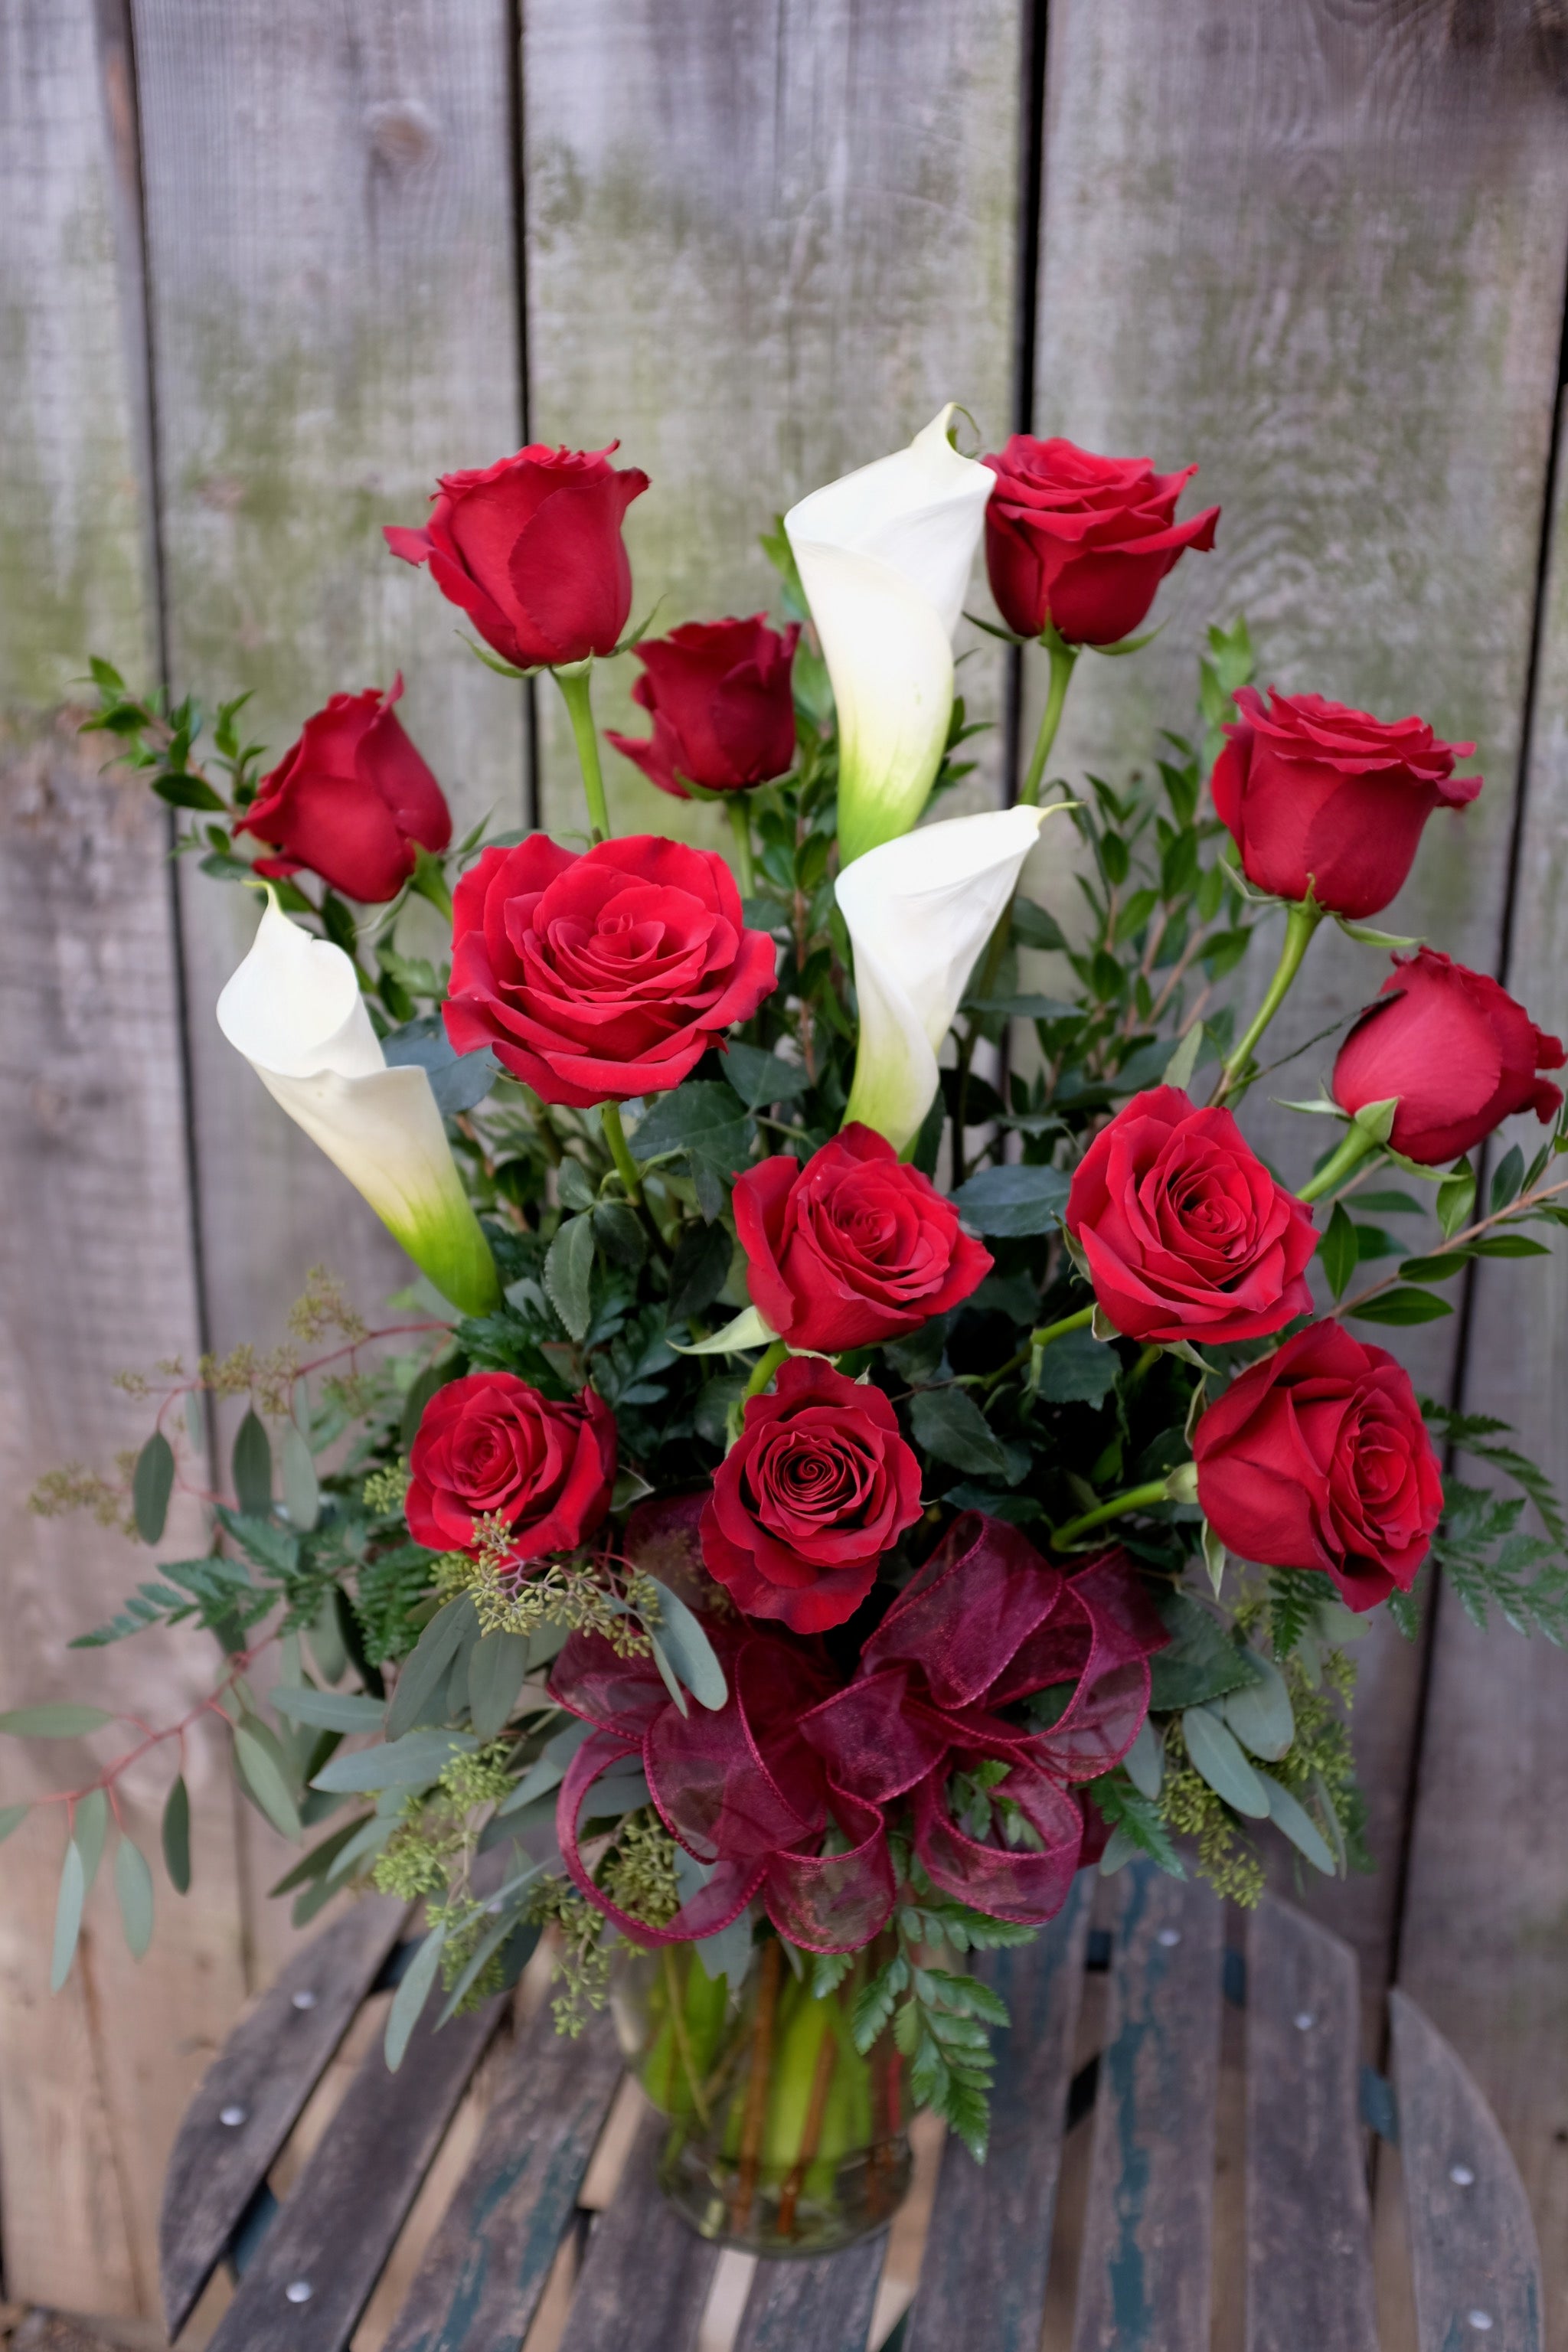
x=601, y=977
x=784, y=1793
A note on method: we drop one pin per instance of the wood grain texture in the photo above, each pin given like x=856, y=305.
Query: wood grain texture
x=1472, y=2242
x=488, y=2264
x=1486, y=1930
x=826, y=2303
x=764, y=248
x=267, y=2070
x=98, y=1272
x=1144, y=2268
x=646, y=2275
x=333, y=306
x=983, y=2281
x=1309, y=2248
x=1320, y=250
x=343, y=2214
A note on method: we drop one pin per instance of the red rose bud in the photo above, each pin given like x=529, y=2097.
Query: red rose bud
x=1318, y=1457
x=530, y=548
x=351, y=801
x=489, y=1446
x=723, y=715
x=601, y=977
x=1455, y=1051
x=1187, y=1234
x=1319, y=797
x=1082, y=542
x=818, y=1486
x=852, y=1248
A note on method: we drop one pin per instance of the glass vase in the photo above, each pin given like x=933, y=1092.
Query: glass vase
x=783, y=2138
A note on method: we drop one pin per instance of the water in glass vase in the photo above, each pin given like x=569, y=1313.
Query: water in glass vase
x=783, y=2138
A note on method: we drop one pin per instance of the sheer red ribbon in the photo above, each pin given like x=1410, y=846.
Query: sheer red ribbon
x=754, y=1789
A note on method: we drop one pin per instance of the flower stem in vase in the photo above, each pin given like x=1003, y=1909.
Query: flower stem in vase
x=811, y=2129
x=756, y=2108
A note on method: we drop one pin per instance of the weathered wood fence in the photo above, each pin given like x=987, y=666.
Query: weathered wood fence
x=269, y=265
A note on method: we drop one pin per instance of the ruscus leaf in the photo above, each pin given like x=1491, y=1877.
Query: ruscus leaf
x=152, y=1485
x=133, y=1886
x=176, y=1836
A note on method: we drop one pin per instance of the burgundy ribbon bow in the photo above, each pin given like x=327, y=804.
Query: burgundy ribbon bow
x=754, y=1789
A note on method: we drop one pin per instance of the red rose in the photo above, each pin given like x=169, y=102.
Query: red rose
x=1318, y=1457
x=604, y=976
x=491, y=1446
x=352, y=800
x=530, y=548
x=1186, y=1233
x=1454, y=1049
x=1319, y=797
x=723, y=715
x=817, y=1487
x=1081, y=542
x=853, y=1248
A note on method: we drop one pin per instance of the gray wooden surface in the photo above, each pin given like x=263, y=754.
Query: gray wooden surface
x=633, y=2277
x=983, y=2284
x=250, y=2100
x=1143, y=2264
x=1320, y=248
x=1305, y=2145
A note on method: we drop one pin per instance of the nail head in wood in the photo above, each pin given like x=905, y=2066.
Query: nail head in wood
x=304, y=1998
x=233, y=2114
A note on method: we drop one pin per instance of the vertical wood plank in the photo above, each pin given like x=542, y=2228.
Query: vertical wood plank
x=98, y=1271
x=1309, y=2238
x=1484, y=1947
x=1321, y=251
x=983, y=2279
x=647, y=2273
x=764, y=247
x=333, y=304
x=328, y=203
x=1472, y=2242
x=1143, y=2274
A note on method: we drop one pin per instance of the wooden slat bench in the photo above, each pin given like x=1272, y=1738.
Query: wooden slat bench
x=306, y=2268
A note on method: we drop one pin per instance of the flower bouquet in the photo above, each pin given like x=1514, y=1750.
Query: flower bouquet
x=864, y=1444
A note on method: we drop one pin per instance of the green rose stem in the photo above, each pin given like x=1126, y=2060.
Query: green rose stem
x=1039, y=1341
x=1300, y=924
x=1063, y=657
x=576, y=691
x=740, y=826
x=1334, y=1171
x=754, y=2115
x=767, y=1364
x=621, y=1152
x=1136, y=1498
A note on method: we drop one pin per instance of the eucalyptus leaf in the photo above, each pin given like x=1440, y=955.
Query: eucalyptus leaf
x=1261, y=1715
x=1217, y=1756
x=152, y=1485
x=251, y=1467
x=301, y=1488
x=176, y=1836
x=690, y=1650
x=411, y=1762
x=424, y=1670
x=68, y=1916
x=668, y=1674
x=1146, y=1761
x=330, y=1710
x=133, y=1886
x=264, y=1772
x=409, y=2000
x=497, y=1665
x=1288, y=1814
x=61, y=1720
x=90, y=1829
x=326, y=1638
x=548, y=1769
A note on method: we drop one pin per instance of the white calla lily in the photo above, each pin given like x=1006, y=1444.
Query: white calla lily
x=884, y=557
x=919, y=910
x=294, y=1010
